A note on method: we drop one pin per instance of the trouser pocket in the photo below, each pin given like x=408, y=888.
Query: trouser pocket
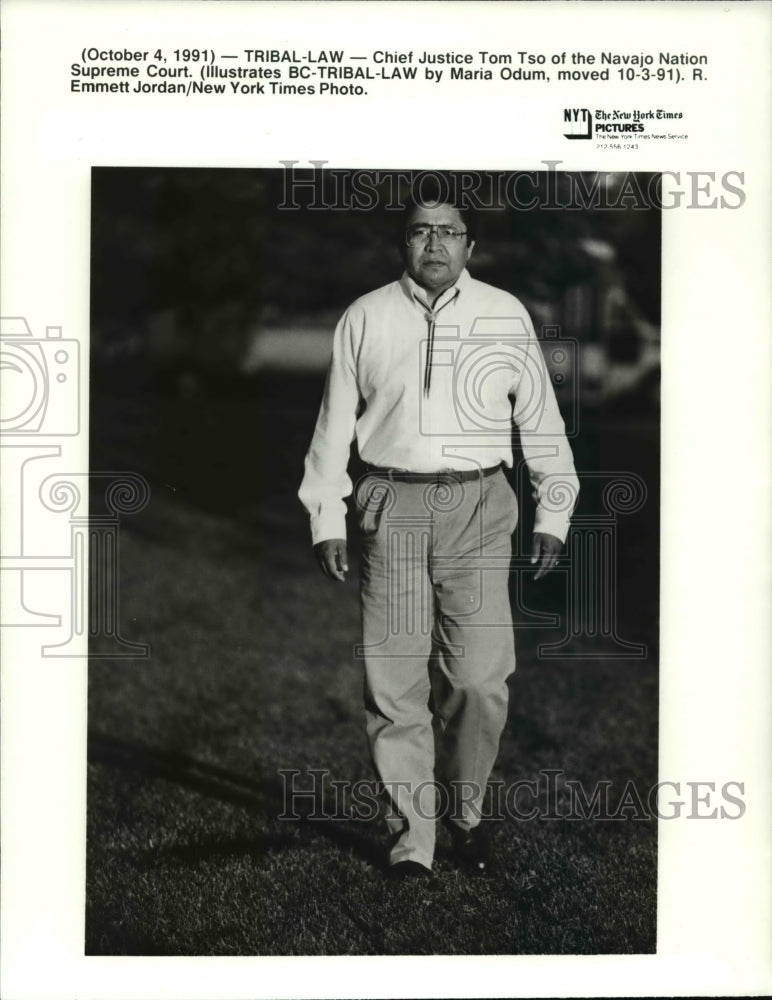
x=375, y=497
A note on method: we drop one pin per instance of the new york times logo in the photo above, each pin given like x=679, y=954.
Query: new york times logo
x=578, y=122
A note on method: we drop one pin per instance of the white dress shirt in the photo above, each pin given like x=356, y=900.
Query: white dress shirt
x=433, y=389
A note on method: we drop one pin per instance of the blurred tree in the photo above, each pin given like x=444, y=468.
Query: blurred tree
x=215, y=252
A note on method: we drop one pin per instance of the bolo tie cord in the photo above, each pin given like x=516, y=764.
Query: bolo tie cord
x=429, y=353
x=431, y=318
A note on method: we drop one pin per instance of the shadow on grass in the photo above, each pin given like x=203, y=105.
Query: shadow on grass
x=262, y=796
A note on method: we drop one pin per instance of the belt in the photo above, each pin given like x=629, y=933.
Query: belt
x=446, y=476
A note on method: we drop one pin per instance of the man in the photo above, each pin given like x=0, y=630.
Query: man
x=428, y=373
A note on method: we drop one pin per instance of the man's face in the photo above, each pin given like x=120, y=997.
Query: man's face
x=432, y=264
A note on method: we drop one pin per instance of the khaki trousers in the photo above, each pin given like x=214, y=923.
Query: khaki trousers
x=438, y=644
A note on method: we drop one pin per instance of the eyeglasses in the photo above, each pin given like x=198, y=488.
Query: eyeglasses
x=418, y=235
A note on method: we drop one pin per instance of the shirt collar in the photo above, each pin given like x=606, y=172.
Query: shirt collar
x=418, y=294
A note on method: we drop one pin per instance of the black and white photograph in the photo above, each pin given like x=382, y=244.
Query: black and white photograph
x=384, y=496
x=425, y=724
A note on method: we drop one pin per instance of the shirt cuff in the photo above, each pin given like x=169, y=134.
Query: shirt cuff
x=551, y=523
x=329, y=524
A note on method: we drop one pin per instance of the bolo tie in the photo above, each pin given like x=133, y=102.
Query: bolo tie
x=431, y=319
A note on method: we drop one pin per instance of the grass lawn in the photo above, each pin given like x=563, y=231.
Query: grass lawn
x=251, y=672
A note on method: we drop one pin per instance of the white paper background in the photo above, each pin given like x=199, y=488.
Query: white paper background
x=714, y=899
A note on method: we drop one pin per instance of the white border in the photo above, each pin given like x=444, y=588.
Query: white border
x=714, y=904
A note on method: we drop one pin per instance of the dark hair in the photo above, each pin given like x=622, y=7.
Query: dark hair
x=432, y=187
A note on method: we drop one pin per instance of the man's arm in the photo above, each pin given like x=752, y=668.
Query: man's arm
x=545, y=550
x=332, y=556
x=326, y=481
x=549, y=459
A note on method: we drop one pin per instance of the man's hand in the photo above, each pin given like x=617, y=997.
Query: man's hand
x=545, y=550
x=332, y=557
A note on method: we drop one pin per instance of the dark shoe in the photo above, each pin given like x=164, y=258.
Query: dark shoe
x=407, y=871
x=472, y=849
